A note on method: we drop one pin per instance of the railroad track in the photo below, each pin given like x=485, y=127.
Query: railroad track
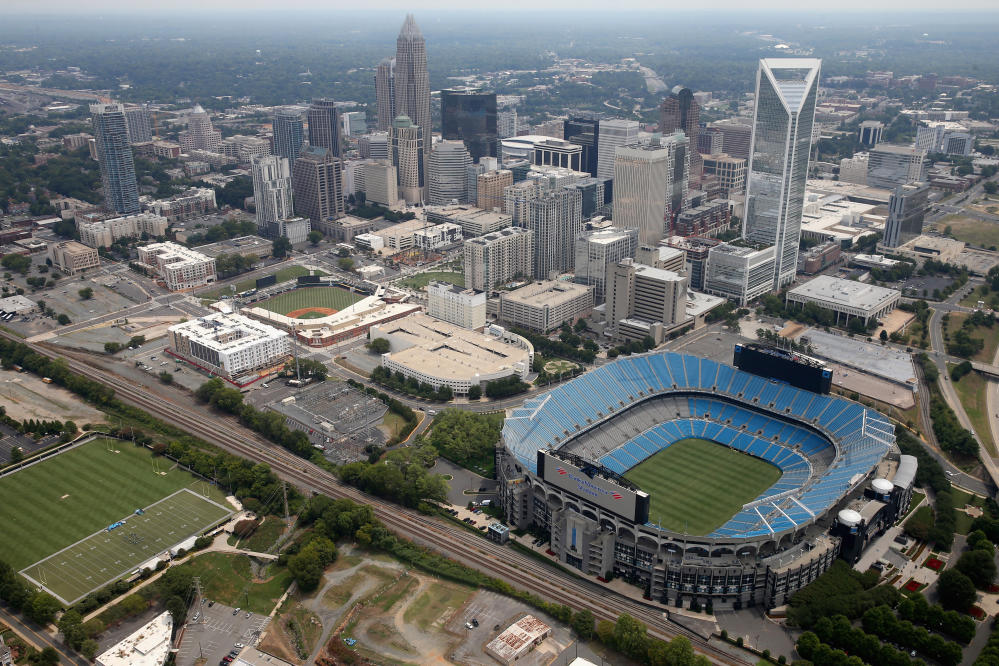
x=451, y=541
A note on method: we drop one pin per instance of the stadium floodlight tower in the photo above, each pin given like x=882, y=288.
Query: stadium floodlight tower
x=786, y=91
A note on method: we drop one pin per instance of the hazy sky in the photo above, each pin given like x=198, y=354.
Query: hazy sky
x=92, y=7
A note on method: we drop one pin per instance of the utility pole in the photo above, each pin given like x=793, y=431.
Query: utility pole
x=284, y=492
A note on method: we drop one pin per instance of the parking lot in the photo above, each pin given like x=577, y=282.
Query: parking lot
x=216, y=632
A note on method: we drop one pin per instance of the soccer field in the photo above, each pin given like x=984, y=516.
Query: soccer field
x=695, y=485
x=333, y=298
x=107, y=555
x=51, y=505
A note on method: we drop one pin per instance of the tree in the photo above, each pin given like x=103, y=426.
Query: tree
x=63, y=319
x=166, y=377
x=379, y=346
x=314, y=237
x=175, y=604
x=16, y=455
x=991, y=187
x=884, y=335
x=475, y=392
x=979, y=566
x=86, y=293
x=89, y=648
x=630, y=637
x=956, y=591
x=112, y=347
x=345, y=264
x=582, y=624
x=47, y=657
x=282, y=246
x=43, y=608
x=343, y=252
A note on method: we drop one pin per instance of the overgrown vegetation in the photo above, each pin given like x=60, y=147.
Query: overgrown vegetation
x=467, y=438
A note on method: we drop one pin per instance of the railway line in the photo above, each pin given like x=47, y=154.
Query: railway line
x=470, y=549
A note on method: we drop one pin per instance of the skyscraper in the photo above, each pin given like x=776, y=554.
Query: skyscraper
x=138, y=123
x=613, y=133
x=506, y=124
x=385, y=93
x=289, y=133
x=786, y=90
x=200, y=135
x=406, y=150
x=584, y=132
x=906, y=209
x=114, y=155
x=889, y=166
x=469, y=115
x=317, y=183
x=272, y=193
x=412, y=82
x=324, y=126
x=650, y=185
x=681, y=112
x=556, y=219
x=449, y=162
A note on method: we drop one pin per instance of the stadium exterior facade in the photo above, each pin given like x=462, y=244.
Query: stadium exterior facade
x=562, y=455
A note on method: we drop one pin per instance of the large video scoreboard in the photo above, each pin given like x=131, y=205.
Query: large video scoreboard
x=784, y=365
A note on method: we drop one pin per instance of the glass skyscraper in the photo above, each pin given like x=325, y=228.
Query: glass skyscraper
x=289, y=133
x=114, y=155
x=786, y=91
x=469, y=115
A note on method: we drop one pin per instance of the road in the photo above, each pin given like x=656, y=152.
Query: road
x=30, y=632
x=471, y=549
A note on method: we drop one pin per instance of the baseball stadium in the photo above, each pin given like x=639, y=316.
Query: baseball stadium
x=701, y=483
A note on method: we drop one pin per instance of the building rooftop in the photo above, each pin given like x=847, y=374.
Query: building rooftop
x=518, y=636
x=242, y=243
x=250, y=656
x=496, y=235
x=149, y=646
x=548, y=293
x=227, y=332
x=847, y=293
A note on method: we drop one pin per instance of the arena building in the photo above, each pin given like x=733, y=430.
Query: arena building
x=570, y=461
x=442, y=354
x=229, y=345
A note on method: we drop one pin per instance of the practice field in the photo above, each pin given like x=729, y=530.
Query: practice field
x=53, y=504
x=107, y=555
x=314, y=301
x=695, y=485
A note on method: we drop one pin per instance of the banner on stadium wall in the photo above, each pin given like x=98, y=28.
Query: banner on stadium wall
x=591, y=484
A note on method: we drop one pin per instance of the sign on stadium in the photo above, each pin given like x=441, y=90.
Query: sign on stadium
x=593, y=483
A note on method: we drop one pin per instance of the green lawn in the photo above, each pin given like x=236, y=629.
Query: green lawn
x=265, y=536
x=227, y=578
x=970, y=230
x=696, y=485
x=989, y=335
x=421, y=280
x=282, y=275
x=962, y=524
x=318, y=297
x=971, y=391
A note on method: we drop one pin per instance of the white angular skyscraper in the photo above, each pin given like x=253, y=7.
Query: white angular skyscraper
x=786, y=90
x=272, y=192
x=412, y=82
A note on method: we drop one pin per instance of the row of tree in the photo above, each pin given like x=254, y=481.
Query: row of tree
x=884, y=624
x=410, y=385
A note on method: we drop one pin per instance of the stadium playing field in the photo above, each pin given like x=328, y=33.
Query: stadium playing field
x=323, y=299
x=696, y=485
x=69, y=497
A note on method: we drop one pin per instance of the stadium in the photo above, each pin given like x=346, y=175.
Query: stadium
x=699, y=482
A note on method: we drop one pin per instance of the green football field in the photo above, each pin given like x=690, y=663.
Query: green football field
x=310, y=297
x=696, y=485
x=58, y=502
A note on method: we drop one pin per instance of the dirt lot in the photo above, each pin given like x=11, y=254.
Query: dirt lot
x=25, y=396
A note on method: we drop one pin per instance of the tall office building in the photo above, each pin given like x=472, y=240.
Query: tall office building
x=490, y=187
x=469, y=115
x=114, y=155
x=385, y=93
x=412, y=82
x=200, y=135
x=678, y=148
x=406, y=150
x=289, y=133
x=613, y=133
x=597, y=252
x=737, y=136
x=374, y=146
x=137, y=120
x=325, y=128
x=584, y=132
x=506, y=124
x=556, y=219
x=906, y=209
x=644, y=301
x=449, y=162
x=355, y=123
x=786, y=89
x=272, y=192
x=681, y=112
x=650, y=185
x=889, y=166
x=317, y=184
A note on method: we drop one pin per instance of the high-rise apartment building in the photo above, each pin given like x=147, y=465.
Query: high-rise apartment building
x=412, y=81
x=200, y=135
x=854, y=169
x=786, y=91
x=381, y=184
x=584, y=132
x=613, y=134
x=594, y=191
x=289, y=133
x=461, y=306
x=906, y=209
x=114, y=156
x=137, y=120
x=406, y=148
x=506, y=124
x=498, y=258
x=317, y=183
x=272, y=191
x=490, y=186
x=889, y=166
x=385, y=93
x=469, y=115
x=556, y=218
x=681, y=112
x=325, y=128
x=448, y=164
x=597, y=252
